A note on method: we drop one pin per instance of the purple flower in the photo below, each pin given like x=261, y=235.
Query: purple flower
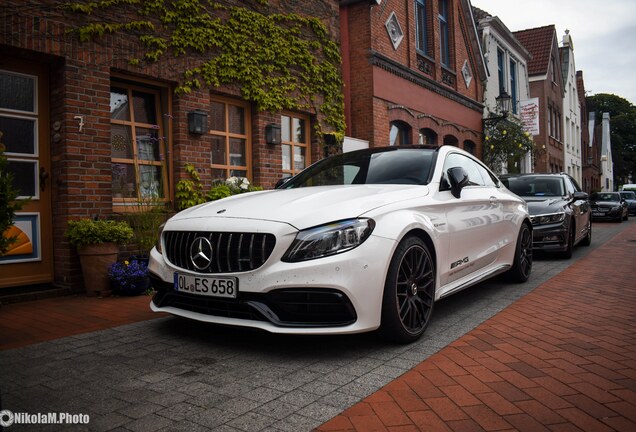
x=130, y=274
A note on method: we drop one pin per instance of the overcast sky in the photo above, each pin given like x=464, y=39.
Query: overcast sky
x=603, y=33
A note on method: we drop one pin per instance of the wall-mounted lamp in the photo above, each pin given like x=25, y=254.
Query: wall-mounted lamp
x=504, y=102
x=272, y=134
x=197, y=122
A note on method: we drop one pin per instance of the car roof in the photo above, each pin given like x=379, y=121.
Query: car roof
x=534, y=175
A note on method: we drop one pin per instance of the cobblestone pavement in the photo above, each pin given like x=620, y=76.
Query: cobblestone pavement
x=170, y=374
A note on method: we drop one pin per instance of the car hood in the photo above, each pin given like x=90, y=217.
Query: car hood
x=541, y=205
x=305, y=207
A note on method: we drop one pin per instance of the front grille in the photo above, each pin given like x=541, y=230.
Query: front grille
x=221, y=252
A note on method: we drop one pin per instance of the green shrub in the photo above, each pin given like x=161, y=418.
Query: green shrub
x=87, y=231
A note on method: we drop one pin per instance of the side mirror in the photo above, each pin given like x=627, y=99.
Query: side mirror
x=580, y=196
x=281, y=182
x=458, y=178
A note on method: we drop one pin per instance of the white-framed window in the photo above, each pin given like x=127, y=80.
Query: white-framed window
x=19, y=129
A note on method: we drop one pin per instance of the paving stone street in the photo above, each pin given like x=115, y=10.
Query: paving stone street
x=170, y=374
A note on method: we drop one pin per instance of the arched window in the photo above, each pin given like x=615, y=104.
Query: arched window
x=469, y=146
x=400, y=133
x=451, y=140
x=428, y=136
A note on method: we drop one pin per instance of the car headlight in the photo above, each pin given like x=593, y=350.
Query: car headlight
x=548, y=218
x=329, y=239
x=158, y=244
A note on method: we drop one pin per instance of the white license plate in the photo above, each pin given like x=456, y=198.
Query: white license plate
x=598, y=214
x=211, y=286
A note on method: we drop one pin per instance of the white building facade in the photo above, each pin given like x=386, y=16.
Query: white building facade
x=607, y=164
x=506, y=60
x=571, y=112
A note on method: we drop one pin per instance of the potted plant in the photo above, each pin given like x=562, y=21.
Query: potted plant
x=129, y=278
x=97, y=243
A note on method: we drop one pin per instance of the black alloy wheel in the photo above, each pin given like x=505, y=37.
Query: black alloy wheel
x=409, y=292
x=522, y=265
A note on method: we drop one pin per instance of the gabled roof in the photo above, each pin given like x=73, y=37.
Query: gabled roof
x=484, y=18
x=539, y=41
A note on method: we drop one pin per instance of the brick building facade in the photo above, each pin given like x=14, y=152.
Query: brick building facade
x=103, y=133
x=590, y=151
x=413, y=73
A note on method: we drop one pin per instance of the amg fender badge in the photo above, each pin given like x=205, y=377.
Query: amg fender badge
x=459, y=262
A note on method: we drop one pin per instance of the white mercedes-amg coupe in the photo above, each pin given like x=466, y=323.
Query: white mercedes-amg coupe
x=356, y=242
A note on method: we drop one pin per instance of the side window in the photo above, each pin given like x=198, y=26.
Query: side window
x=489, y=178
x=472, y=168
x=574, y=185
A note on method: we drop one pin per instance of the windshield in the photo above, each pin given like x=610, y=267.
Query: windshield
x=605, y=196
x=403, y=166
x=629, y=195
x=537, y=186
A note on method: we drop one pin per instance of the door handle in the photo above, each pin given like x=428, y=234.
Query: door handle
x=43, y=176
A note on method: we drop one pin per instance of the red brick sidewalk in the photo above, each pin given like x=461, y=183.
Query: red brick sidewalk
x=563, y=358
x=30, y=322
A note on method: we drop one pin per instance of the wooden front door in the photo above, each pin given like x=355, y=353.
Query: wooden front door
x=24, y=123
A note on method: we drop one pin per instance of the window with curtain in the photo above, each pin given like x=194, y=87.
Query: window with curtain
x=231, y=145
x=295, y=146
x=399, y=133
x=428, y=136
x=138, y=144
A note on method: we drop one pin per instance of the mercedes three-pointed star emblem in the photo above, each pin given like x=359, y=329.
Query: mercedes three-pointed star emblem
x=201, y=253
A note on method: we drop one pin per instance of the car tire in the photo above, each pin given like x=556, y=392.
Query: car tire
x=567, y=253
x=409, y=292
x=522, y=264
x=588, y=237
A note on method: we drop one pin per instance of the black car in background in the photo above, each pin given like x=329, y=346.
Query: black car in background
x=559, y=210
x=630, y=199
x=609, y=206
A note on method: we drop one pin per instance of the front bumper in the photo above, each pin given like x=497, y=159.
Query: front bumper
x=333, y=295
x=607, y=215
x=552, y=237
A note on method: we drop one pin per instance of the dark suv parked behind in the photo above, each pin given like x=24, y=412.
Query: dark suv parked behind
x=559, y=210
